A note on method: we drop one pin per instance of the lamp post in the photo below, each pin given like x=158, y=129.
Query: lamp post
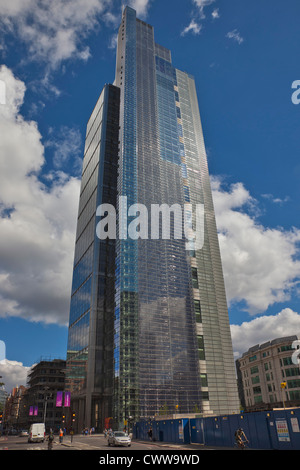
x=46, y=399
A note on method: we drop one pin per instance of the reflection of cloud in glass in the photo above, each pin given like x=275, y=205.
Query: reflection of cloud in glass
x=2, y=350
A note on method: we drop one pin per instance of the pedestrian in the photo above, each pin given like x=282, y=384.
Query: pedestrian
x=50, y=440
x=150, y=434
x=61, y=435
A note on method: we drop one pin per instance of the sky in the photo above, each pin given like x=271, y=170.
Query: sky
x=55, y=58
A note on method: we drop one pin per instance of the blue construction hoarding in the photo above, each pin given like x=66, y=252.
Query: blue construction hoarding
x=277, y=429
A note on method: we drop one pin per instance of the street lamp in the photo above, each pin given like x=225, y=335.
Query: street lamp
x=46, y=399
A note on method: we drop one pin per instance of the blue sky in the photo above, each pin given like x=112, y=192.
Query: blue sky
x=55, y=58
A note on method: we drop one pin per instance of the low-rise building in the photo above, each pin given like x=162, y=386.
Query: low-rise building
x=44, y=381
x=14, y=408
x=269, y=375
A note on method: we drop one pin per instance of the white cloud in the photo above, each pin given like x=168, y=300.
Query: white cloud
x=260, y=264
x=235, y=35
x=276, y=200
x=37, y=222
x=113, y=42
x=201, y=4
x=263, y=329
x=66, y=144
x=13, y=374
x=215, y=14
x=53, y=30
x=141, y=7
x=193, y=27
x=2, y=350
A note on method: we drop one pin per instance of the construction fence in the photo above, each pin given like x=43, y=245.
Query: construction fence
x=277, y=429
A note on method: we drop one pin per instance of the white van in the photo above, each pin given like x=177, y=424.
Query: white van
x=37, y=432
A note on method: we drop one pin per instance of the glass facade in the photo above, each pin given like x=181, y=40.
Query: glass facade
x=90, y=341
x=149, y=328
x=174, y=350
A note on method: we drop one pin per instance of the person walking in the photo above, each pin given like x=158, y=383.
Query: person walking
x=50, y=440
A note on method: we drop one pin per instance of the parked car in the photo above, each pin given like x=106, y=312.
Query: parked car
x=24, y=433
x=119, y=438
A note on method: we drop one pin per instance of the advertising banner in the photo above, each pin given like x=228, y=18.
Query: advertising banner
x=67, y=401
x=59, y=399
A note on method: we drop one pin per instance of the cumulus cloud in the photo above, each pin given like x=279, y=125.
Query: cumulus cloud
x=37, y=221
x=13, y=374
x=193, y=27
x=235, y=36
x=66, y=144
x=53, y=31
x=201, y=4
x=141, y=7
x=260, y=264
x=263, y=329
x=215, y=14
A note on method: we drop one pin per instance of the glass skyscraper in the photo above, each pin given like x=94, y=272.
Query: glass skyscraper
x=149, y=330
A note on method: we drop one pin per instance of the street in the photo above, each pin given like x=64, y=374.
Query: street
x=93, y=442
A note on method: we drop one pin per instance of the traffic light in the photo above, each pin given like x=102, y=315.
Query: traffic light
x=73, y=416
x=283, y=384
x=63, y=418
x=0, y=418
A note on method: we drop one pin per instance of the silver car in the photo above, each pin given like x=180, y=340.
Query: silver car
x=119, y=438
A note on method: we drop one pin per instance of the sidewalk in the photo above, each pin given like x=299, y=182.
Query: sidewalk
x=190, y=447
x=83, y=442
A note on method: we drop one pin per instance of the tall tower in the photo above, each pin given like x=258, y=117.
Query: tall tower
x=167, y=347
x=89, y=370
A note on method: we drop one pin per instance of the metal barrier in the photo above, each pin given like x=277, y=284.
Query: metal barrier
x=277, y=429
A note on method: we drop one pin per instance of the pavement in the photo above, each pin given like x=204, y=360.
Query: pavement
x=148, y=445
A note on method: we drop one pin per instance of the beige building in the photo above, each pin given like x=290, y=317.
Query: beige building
x=269, y=375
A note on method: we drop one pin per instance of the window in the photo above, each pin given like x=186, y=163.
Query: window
x=197, y=308
x=285, y=348
x=201, y=353
x=255, y=380
x=203, y=378
x=252, y=358
x=294, y=383
x=292, y=371
x=295, y=395
x=258, y=399
x=195, y=278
